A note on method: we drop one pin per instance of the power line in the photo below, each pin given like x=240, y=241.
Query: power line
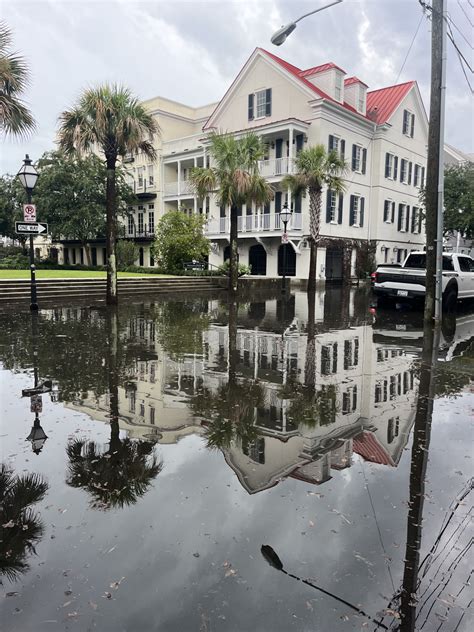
x=465, y=13
x=461, y=58
x=409, y=49
x=461, y=33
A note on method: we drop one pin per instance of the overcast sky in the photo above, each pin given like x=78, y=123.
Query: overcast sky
x=190, y=51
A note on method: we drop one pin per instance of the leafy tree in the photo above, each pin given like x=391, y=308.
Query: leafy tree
x=108, y=119
x=70, y=195
x=15, y=117
x=179, y=238
x=21, y=526
x=180, y=326
x=315, y=168
x=459, y=199
x=127, y=253
x=12, y=198
x=234, y=179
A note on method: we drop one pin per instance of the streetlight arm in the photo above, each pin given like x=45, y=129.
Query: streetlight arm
x=326, y=6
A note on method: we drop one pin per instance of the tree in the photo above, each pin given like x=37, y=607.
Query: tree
x=459, y=199
x=108, y=119
x=21, y=526
x=179, y=238
x=234, y=179
x=12, y=198
x=127, y=253
x=70, y=196
x=15, y=117
x=315, y=168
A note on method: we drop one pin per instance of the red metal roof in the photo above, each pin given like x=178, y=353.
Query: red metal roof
x=321, y=68
x=350, y=80
x=381, y=104
x=368, y=446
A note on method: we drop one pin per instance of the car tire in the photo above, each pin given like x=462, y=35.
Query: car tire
x=450, y=299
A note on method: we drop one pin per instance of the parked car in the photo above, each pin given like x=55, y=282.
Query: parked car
x=408, y=282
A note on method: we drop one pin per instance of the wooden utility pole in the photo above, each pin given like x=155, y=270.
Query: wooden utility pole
x=435, y=169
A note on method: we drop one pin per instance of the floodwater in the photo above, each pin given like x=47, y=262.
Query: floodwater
x=175, y=439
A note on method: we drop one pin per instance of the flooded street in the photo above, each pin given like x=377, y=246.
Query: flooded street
x=175, y=439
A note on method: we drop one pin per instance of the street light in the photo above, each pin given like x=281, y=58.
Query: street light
x=28, y=177
x=285, y=216
x=280, y=36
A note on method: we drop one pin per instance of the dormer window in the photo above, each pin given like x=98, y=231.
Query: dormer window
x=260, y=104
x=408, y=123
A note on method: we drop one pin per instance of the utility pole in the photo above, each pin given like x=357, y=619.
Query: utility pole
x=434, y=191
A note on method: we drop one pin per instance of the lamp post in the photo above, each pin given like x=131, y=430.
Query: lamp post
x=28, y=177
x=285, y=216
x=280, y=36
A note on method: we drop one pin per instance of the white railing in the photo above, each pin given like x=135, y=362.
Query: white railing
x=184, y=187
x=182, y=144
x=262, y=222
x=170, y=188
x=274, y=167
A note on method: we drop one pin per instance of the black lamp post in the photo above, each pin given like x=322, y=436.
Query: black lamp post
x=28, y=177
x=285, y=216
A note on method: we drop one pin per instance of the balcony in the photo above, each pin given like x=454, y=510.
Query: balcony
x=139, y=232
x=261, y=223
x=174, y=189
x=181, y=145
x=144, y=188
x=274, y=167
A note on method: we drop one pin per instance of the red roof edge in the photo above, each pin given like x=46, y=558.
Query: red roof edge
x=350, y=80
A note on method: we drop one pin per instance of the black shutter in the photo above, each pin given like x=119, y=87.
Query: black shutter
x=413, y=219
x=422, y=176
x=386, y=211
x=278, y=148
x=395, y=167
x=419, y=220
x=299, y=142
x=407, y=219
x=347, y=351
x=412, y=130
x=268, y=102
x=340, y=208
x=361, y=211
x=328, y=205
x=399, y=225
x=364, y=160
x=387, y=165
x=331, y=142
x=351, y=211
x=410, y=169
x=251, y=115
x=393, y=212
x=356, y=351
x=342, y=144
x=277, y=201
x=298, y=203
x=405, y=121
x=354, y=153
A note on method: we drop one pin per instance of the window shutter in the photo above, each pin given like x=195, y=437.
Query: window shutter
x=279, y=148
x=328, y=205
x=412, y=130
x=413, y=219
x=351, y=211
x=268, y=102
x=386, y=211
x=354, y=150
x=356, y=351
x=405, y=121
x=342, y=145
x=334, y=358
x=299, y=142
x=395, y=167
x=407, y=219
x=387, y=165
x=419, y=221
x=251, y=115
x=400, y=209
x=340, y=208
x=277, y=201
x=354, y=398
x=347, y=351
x=364, y=160
x=393, y=212
x=298, y=203
x=331, y=142
x=361, y=211
x=422, y=176
x=410, y=169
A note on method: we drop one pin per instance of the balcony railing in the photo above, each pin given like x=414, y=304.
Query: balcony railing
x=184, y=187
x=139, y=232
x=143, y=185
x=264, y=222
x=274, y=167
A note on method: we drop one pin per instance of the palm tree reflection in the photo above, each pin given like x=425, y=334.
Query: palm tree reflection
x=21, y=526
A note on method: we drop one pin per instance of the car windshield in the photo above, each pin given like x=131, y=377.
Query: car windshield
x=418, y=261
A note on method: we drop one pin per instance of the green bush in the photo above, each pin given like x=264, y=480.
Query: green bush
x=179, y=239
x=8, y=251
x=224, y=269
x=15, y=262
x=127, y=254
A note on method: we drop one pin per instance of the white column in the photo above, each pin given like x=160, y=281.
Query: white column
x=290, y=160
x=179, y=177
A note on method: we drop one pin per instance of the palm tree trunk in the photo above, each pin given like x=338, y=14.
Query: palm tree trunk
x=233, y=353
x=234, y=253
x=310, y=359
x=87, y=250
x=111, y=296
x=314, y=228
x=112, y=343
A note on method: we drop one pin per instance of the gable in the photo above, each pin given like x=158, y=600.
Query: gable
x=414, y=104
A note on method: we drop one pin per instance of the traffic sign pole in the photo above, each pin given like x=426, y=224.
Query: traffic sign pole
x=33, y=300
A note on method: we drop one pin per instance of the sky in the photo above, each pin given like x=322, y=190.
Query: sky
x=190, y=51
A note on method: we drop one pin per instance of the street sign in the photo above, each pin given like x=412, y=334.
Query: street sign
x=36, y=404
x=29, y=212
x=31, y=228
x=44, y=387
x=284, y=238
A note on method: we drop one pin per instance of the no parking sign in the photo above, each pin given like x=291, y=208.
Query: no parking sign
x=29, y=213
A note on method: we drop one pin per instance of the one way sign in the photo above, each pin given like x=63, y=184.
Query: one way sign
x=31, y=228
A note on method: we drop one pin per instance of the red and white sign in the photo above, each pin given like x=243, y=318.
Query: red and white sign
x=29, y=213
x=284, y=238
x=36, y=404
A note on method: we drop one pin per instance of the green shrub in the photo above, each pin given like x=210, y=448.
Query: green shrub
x=127, y=253
x=15, y=262
x=224, y=269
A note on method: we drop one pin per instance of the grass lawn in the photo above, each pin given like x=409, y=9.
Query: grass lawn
x=69, y=274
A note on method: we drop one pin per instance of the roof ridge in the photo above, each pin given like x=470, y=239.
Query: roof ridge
x=395, y=85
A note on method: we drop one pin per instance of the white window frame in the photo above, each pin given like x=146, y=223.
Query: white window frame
x=415, y=213
x=356, y=210
x=404, y=218
x=263, y=104
x=337, y=143
x=358, y=158
x=131, y=224
x=391, y=164
x=151, y=221
x=333, y=218
x=404, y=177
x=417, y=175
x=411, y=116
x=140, y=221
x=389, y=220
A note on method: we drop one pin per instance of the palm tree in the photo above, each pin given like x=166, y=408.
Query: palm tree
x=21, y=526
x=108, y=119
x=15, y=117
x=316, y=168
x=234, y=179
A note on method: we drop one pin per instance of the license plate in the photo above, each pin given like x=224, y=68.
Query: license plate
x=402, y=293
x=400, y=327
